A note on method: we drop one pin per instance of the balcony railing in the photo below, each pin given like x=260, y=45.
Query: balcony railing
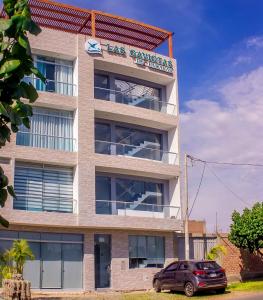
x=48, y=204
x=45, y=141
x=111, y=148
x=122, y=208
x=145, y=101
x=53, y=86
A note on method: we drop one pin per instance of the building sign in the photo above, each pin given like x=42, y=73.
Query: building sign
x=152, y=61
x=141, y=58
x=92, y=46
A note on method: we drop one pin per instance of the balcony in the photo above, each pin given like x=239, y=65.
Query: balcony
x=45, y=141
x=52, y=86
x=137, y=209
x=146, y=150
x=142, y=101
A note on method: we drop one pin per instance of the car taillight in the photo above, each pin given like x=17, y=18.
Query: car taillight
x=199, y=272
x=222, y=270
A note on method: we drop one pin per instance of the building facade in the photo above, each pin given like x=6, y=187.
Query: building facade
x=97, y=175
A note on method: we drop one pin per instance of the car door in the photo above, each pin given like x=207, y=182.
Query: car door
x=181, y=275
x=168, y=276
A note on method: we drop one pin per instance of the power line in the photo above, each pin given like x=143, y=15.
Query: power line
x=227, y=187
x=226, y=163
x=198, y=189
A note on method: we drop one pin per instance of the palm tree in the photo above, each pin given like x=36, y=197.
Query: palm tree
x=20, y=253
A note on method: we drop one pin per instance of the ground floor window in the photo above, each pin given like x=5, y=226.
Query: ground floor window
x=146, y=251
x=58, y=258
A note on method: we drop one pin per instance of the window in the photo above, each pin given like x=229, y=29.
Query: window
x=183, y=266
x=101, y=87
x=172, y=267
x=43, y=188
x=207, y=265
x=102, y=138
x=59, y=75
x=146, y=252
x=139, y=195
x=137, y=94
x=103, y=195
x=49, y=128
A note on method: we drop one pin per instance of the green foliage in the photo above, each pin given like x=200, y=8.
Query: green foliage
x=246, y=231
x=21, y=252
x=215, y=252
x=13, y=260
x=16, y=62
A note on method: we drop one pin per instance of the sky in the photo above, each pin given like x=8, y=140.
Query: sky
x=218, y=45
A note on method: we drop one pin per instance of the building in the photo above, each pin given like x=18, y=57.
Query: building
x=97, y=175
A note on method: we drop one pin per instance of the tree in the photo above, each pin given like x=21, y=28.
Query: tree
x=20, y=253
x=246, y=231
x=215, y=252
x=16, y=62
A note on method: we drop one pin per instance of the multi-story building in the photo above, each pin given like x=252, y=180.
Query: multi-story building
x=97, y=174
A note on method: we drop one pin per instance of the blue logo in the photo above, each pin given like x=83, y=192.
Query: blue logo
x=92, y=47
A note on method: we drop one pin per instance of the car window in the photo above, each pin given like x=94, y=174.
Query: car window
x=172, y=267
x=207, y=265
x=183, y=266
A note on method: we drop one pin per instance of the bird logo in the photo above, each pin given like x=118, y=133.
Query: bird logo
x=93, y=47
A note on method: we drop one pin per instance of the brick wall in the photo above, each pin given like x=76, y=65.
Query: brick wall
x=240, y=264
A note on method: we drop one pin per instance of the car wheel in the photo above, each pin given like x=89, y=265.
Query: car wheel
x=189, y=289
x=157, y=286
x=220, y=291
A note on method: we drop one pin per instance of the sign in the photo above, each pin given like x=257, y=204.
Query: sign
x=92, y=46
x=140, y=58
x=152, y=61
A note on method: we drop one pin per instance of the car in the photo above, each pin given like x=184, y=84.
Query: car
x=191, y=276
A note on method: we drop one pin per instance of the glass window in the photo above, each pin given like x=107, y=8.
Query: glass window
x=102, y=138
x=138, y=143
x=139, y=195
x=137, y=94
x=144, y=252
x=103, y=195
x=207, y=265
x=172, y=267
x=43, y=188
x=101, y=87
x=183, y=266
x=49, y=128
x=59, y=75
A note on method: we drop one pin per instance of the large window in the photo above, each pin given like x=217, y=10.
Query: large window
x=43, y=188
x=59, y=75
x=101, y=87
x=146, y=251
x=112, y=138
x=49, y=128
x=126, y=195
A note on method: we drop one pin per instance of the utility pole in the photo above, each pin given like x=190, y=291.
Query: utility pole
x=186, y=229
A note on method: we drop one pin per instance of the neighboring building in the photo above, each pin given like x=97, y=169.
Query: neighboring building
x=97, y=175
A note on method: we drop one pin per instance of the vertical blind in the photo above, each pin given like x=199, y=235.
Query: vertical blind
x=49, y=128
x=43, y=188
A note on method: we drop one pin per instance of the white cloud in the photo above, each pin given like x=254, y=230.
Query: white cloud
x=256, y=41
x=230, y=130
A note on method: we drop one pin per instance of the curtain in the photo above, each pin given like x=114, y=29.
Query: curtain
x=43, y=188
x=64, y=77
x=49, y=128
x=40, y=86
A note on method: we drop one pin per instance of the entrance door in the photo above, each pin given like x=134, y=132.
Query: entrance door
x=102, y=260
x=52, y=265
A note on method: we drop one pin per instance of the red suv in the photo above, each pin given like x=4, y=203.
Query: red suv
x=190, y=277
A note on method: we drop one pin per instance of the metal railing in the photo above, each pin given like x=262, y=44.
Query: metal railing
x=122, y=208
x=143, y=101
x=48, y=204
x=53, y=86
x=111, y=148
x=45, y=141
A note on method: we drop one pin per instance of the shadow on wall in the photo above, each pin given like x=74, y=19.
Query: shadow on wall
x=251, y=265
